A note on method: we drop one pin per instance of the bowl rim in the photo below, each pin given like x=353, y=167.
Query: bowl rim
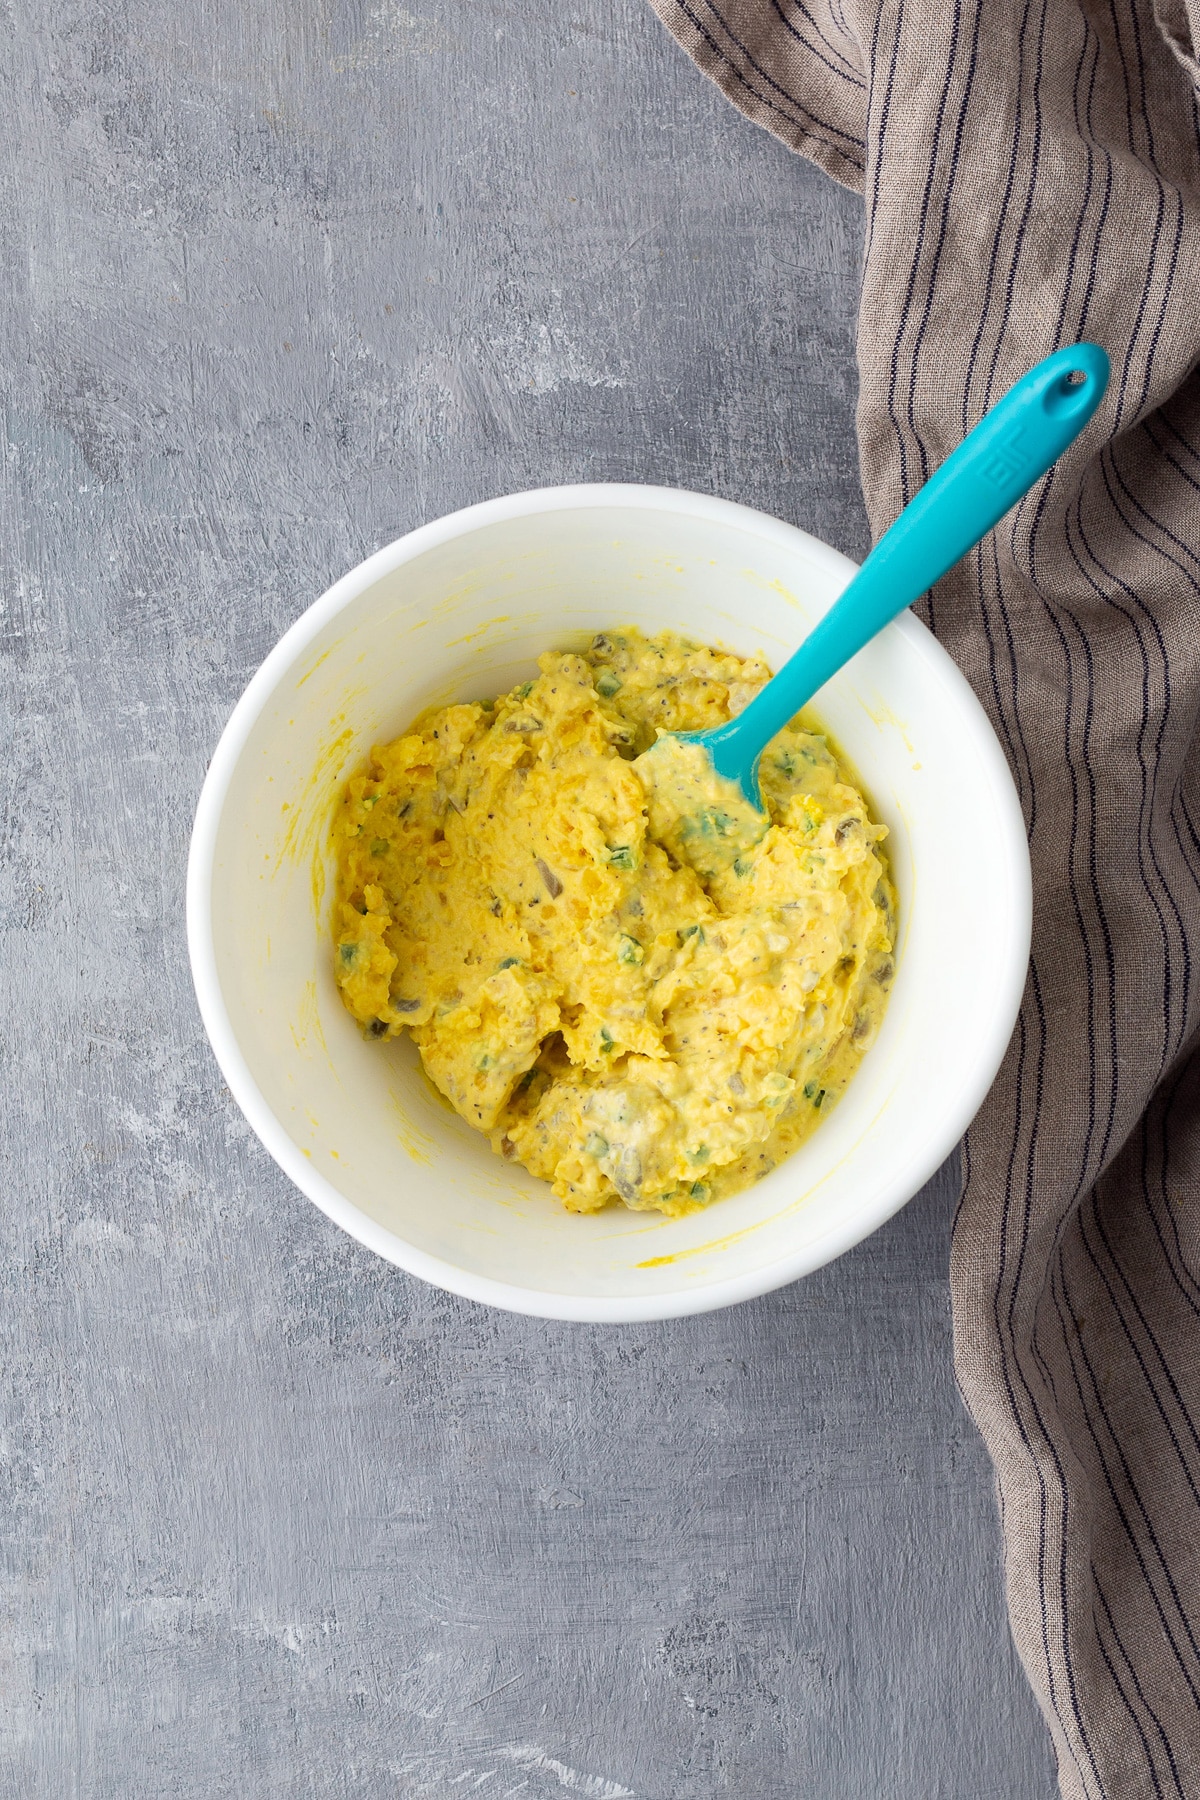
x=488, y=1290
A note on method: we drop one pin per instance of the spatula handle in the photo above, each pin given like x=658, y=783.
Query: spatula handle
x=1009, y=450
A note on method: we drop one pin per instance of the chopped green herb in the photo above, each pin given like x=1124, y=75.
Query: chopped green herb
x=710, y=821
x=348, y=955
x=629, y=950
x=596, y=1145
x=608, y=684
x=814, y=1093
x=379, y=846
x=699, y=1190
x=700, y=1154
x=606, y=1040
x=689, y=931
x=510, y=962
x=620, y=856
x=742, y=865
x=486, y=1062
x=524, y=691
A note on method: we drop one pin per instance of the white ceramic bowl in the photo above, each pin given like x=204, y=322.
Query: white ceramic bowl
x=459, y=610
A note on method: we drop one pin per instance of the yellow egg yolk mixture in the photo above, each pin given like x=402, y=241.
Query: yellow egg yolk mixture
x=624, y=1026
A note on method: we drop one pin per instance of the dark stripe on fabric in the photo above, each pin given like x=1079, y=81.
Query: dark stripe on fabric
x=838, y=68
x=1176, y=433
x=1021, y=767
x=1009, y=183
x=1008, y=1344
x=1107, y=467
x=1193, y=868
x=1143, y=111
x=1090, y=1416
x=1040, y=1358
x=825, y=125
x=1015, y=1412
x=1147, y=1708
x=1145, y=773
x=1185, y=859
x=1106, y=936
x=1014, y=686
x=1174, y=461
x=910, y=288
x=1064, y=1608
x=1158, y=524
x=1129, y=112
x=1035, y=157
x=885, y=114
x=1094, y=143
x=965, y=1171
x=1143, y=302
x=1178, y=1263
x=1154, y=626
x=1082, y=213
x=943, y=226
x=1076, y=905
x=1172, y=270
x=1189, y=1472
x=1187, y=1283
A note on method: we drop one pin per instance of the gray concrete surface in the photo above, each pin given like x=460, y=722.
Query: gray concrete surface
x=283, y=278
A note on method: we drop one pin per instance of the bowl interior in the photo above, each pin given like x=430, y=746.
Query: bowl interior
x=460, y=611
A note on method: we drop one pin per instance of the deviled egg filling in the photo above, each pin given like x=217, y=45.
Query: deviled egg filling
x=627, y=1016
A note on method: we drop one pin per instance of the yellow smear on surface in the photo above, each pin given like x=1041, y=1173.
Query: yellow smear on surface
x=305, y=836
x=479, y=631
x=311, y=672
x=306, y=829
x=773, y=587
x=714, y=1244
x=881, y=714
x=306, y=1027
x=419, y=1144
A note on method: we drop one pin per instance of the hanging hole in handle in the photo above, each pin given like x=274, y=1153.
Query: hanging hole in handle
x=1068, y=394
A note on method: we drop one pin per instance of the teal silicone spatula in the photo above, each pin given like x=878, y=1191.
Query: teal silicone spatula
x=1009, y=450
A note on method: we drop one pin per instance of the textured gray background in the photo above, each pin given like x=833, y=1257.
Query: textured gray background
x=283, y=278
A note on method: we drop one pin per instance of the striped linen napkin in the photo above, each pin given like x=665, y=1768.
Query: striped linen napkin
x=1031, y=174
